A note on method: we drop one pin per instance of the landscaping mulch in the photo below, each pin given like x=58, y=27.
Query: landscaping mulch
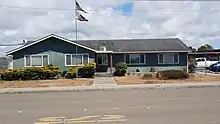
x=46, y=83
x=138, y=79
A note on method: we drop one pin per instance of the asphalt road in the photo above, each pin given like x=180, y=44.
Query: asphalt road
x=156, y=106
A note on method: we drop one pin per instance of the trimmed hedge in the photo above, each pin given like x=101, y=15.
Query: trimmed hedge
x=31, y=73
x=172, y=74
x=121, y=69
x=87, y=71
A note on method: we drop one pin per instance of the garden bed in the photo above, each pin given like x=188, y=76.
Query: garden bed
x=46, y=83
x=138, y=79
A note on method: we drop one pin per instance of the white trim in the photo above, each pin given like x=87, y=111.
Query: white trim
x=36, y=55
x=135, y=63
x=104, y=52
x=44, y=38
x=168, y=63
x=71, y=56
x=102, y=59
x=187, y=66
x=139, y=52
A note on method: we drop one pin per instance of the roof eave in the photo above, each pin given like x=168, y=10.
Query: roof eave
x=182, y=51
x=44, y=38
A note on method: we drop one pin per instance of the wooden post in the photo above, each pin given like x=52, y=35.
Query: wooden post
x=111, y=63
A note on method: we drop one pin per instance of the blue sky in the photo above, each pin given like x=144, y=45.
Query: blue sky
x=196, y=26
x=215, y=44
x=126, y=8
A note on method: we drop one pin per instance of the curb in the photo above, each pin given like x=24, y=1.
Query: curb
x=107, y=88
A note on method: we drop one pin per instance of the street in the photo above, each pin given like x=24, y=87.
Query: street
x=156, y=106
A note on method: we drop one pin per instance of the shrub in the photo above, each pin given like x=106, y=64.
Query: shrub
x=71, y=73
x=120, y=72
x=148, y=75
x=31, y=73
x=11, y=74
x=121, y=65
x=152, y=69
x=63, y=73
x=137, y=70
x=191, y=68
x=86, y=71
x=172, y=74
x=120, y=69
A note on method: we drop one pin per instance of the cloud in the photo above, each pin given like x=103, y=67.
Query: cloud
x=194, y=22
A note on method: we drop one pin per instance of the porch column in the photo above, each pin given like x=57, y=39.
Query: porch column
x=111, y=63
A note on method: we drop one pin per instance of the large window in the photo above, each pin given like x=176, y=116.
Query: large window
x=76, y=59
x=135, y=59
x=102, y=59
x=168, y=58
x=36, y=60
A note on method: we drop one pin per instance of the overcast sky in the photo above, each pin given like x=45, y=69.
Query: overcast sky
x=195, y=23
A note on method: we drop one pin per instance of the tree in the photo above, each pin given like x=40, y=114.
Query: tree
x=205, y=48
x=193, y=49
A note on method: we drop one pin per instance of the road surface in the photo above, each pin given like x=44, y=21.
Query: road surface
x=156, y=106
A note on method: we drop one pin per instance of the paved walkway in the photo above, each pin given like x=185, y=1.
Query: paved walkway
x=104, y=81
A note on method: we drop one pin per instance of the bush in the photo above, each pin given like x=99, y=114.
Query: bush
x=86, y=71
x=152, y=69
x=137, y=70
x=120, y=72
x=148, y=75
x=120, y=69
x=31, y=73
x=191, y=68
x=63, y=73
x=71, y=73
x=172, y=74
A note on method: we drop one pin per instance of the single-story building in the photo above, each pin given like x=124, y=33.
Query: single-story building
x=142, y=54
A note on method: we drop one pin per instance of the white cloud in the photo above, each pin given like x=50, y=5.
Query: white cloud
x=196, y=23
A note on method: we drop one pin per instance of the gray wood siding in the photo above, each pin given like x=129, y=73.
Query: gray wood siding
x=151, y=60
x=56, y=50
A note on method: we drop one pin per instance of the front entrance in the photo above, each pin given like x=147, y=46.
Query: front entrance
x=102, y=59
x=104, y=62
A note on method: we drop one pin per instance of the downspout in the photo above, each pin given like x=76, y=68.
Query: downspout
x=111, y=63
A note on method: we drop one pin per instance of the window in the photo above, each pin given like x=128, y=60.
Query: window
x=135, y=58
x=36, y=60
x=102, y=59
x=76, y=59
x=168, y=58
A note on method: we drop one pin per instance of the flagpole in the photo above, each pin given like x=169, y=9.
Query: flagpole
x=76, y=38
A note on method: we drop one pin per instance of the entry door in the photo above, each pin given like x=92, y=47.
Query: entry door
x=102, y=59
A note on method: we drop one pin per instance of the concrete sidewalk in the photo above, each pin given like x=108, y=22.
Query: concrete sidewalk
x=107, y=88
x=104, y=81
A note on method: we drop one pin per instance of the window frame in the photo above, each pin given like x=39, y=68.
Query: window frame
x=169, y=62
x=42, y=63
x=106, y=55
x=71, y=59
x=139, y=59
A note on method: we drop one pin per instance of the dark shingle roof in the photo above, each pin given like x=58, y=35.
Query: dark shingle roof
x=125, y=45
x=166, y=44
